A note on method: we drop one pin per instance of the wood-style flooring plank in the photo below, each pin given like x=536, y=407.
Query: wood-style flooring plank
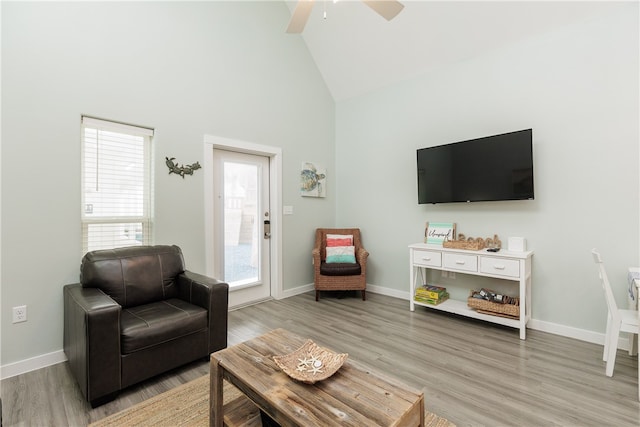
x=471, y=372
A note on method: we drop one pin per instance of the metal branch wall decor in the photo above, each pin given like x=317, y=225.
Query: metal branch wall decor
x=181, y=170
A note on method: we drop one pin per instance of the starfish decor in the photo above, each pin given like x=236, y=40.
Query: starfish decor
x=310, y=364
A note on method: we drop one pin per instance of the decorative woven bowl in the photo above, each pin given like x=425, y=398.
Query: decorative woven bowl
x=310, y=363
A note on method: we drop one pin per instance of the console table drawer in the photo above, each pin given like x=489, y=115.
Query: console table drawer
x=501, y=267
x=461, y=262
x=427, y=258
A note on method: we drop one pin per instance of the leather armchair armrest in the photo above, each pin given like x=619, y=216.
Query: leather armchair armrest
x=92, y=340
x=212, y=295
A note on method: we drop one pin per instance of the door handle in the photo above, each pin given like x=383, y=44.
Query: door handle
x=267, y=229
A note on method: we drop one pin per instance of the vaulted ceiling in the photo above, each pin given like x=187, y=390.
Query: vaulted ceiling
x=358, y=51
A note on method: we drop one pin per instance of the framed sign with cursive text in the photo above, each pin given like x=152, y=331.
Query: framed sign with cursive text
x=437, y=232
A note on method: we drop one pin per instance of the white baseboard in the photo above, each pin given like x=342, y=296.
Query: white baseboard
x=579, y=334
x=23, y=366
x=537, y=325
x=388, y=292
x=566, y=331
x=42, y=361
x=296, y=291
x=370, y=288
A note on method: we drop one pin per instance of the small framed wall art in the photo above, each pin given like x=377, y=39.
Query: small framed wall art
x=437, y=232
x=312, y=180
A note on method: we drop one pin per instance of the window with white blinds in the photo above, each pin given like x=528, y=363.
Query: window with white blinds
x=116, y=185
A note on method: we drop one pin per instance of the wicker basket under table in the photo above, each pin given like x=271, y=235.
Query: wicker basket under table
x=512, y=311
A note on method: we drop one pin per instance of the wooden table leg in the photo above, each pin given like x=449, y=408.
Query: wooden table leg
x=216, y=415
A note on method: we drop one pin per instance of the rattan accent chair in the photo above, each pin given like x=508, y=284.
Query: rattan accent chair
x=339, y=276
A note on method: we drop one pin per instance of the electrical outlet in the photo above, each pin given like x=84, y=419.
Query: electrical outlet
x=20, y=314
x=452, y=275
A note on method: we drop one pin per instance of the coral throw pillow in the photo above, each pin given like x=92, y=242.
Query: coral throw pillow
x=339, y=240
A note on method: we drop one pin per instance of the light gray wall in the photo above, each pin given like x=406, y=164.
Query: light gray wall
x=219, y=68
x=186, y=69
x=578, y=89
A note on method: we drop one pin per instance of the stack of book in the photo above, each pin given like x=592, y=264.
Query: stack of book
x=430, y=294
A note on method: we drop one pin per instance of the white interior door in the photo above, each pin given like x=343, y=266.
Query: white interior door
x=242, y=225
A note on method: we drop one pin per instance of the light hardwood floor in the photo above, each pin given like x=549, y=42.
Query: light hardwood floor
x=471, y=372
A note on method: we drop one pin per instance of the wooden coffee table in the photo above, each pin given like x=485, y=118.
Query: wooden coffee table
x=353, y=396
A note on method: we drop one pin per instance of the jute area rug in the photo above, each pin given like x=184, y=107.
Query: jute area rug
x=188, y=405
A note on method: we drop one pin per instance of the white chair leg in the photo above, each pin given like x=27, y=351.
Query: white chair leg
x=632, y=344
x=607, y=337
x=613, y=348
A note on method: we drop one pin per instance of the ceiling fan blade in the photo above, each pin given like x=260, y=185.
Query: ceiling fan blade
x=388, y=9
x=300, y=16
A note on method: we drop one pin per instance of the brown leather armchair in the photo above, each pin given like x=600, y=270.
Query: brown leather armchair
x=339, y=276
x=137, y=313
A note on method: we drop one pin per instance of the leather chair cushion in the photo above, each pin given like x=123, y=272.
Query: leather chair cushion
x=340, y=269
x=151, y=324
x=133, y=275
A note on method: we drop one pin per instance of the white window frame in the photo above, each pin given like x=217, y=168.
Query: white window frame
x=146, y=219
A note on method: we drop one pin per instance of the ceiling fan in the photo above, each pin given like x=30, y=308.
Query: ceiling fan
x=388, y=9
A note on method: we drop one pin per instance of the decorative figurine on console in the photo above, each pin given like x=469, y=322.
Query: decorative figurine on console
x=474, y=243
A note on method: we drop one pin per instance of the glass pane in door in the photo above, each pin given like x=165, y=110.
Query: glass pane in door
x=241, y=221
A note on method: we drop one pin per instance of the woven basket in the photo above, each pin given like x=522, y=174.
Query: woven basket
x=504, y=310
x=299, y=365
x=472, y=245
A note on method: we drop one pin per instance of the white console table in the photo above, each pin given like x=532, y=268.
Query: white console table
x=513, y=266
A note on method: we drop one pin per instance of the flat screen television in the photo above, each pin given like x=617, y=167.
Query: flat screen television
x=498, y=167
